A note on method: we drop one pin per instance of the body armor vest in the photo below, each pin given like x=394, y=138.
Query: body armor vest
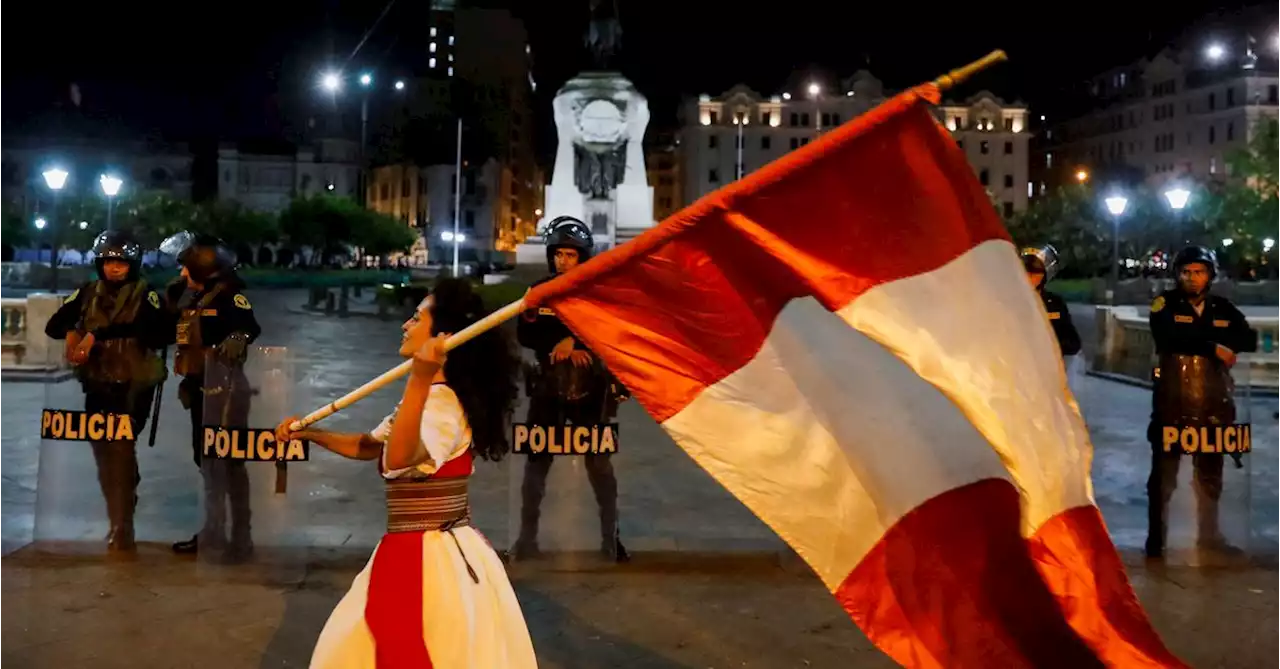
x=124, y=360
x=189, y=358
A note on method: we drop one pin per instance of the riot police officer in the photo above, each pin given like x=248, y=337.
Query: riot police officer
x=1041, y=263
x=569, y=385
x=1197, y=337
x=113, y=327
x=213, y=316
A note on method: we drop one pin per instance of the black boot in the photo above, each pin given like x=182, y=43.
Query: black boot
x=188, y=547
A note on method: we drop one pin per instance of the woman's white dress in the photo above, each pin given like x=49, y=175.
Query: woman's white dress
x=416, y=604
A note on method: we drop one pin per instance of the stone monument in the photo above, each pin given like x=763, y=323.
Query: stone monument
x=599, y=174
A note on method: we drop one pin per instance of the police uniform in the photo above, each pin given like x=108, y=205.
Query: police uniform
x=1044, y=260
x=1191, y=386
x=562, y=393
x=122, y=371
x=215, y=319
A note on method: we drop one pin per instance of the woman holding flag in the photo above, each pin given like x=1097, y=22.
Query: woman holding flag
x=434, y=593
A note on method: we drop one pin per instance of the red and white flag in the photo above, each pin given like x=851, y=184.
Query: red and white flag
x=847, y=342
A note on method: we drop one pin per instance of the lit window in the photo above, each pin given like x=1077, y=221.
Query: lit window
x=451, y=40
x=451, y=71
x=1030, y=189
x=431, y=63
x=431, y=47
x=433, y=31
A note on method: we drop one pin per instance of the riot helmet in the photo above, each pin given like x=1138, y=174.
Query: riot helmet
x=204, y=256
x=116, y=245
x=1190, y=256
x=1041, y=260
x=568, y=232
x=1196, y=254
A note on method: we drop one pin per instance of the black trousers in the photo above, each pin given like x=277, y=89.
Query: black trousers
x=1206, y=484
x=599, y=472
x=117, y=461
x=225, y=482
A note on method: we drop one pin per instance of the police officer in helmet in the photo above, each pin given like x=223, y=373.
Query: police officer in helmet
x=113, y=327
x=213, y=317
x=569, y=385
x=1197, y=337
x=1041, y=263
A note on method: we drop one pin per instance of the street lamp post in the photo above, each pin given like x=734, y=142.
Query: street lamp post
x=457, y=198
x=110, y=187
x=55, y=178
x=1116, y=205
x=815, y=94
x=1178, y=198
x=366, y=80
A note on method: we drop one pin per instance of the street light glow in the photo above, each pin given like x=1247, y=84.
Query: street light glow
x=56, y=178
x=1228, y=241
x=537, y=212
x=1116, y=204
x=1267, y=244
x=331, y=82
x=84, y=225
x=40, y=223
x=110, y=185
x=1177, y=197
x=814, y=89
x=366, y=79
x=1215, y=52
x=399, y=85
x=1082, y=176
x=448, y=236
x=786, y=96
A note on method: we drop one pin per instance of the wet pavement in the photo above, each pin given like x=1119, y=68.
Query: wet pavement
x=704, y=589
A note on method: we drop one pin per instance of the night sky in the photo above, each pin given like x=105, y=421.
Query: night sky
x=227, y=69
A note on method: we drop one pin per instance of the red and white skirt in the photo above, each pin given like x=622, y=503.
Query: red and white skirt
x=416, y=604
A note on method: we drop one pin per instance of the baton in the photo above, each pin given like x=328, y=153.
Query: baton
x=155, y=408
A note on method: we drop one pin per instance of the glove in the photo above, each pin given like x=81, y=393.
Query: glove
x=234, y=347
x=173, y=292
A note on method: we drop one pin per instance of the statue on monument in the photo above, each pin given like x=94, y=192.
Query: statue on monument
x=604, y=33
x=599, y=175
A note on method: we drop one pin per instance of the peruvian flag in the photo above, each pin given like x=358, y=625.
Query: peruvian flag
x=847, y=342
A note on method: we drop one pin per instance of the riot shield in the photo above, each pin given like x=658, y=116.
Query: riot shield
x=563, y=486
x=253, y=490
x=1208, y=515
x=100, y=487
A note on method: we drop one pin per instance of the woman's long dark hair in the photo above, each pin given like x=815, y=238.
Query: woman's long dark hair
x=482, y=372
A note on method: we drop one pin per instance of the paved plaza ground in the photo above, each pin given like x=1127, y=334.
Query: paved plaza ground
x=711, y=586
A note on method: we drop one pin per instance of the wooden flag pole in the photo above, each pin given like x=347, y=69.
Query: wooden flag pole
x=510, y=311
x=956, y=77
x=471, y=332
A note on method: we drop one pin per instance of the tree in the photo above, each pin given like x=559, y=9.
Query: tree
x=1246, y=207
x=236, y=224
x=333, y=224
x=1070, y=219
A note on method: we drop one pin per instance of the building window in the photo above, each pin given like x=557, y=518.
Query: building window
x=795, y=143
x=766, y=117
x=469, y=219
x=1008, y=125
x=957, y=123
x=1231, y=130
x=713, y=176
x=960, y=143
x=1008, y=209
x=804, y=119
x=1231, y=97
x=713, y=141
x=715, y=118
x=1008, y=148
x=765, y=142
x=1048, y=160
x=1273, y=94
x=835, y=119
x=804, y=141
x=1213, y=135
x=984, y=177
x=985, y=147
x=795, y=119
x=1008, y=181
x=1213, y=165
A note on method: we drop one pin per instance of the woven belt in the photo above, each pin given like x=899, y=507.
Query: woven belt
x=415, y=505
